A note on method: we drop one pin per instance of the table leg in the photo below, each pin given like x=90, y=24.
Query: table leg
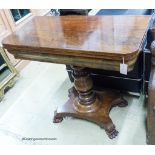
x=85, y=103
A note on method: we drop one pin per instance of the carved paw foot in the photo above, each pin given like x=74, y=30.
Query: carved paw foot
x=57, y=118
x=112, y=133
x=120, y=102
x=110, y=130
x=123, y=103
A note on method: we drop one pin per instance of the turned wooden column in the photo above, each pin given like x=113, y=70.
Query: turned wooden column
x=151, y=101
x=87, y=100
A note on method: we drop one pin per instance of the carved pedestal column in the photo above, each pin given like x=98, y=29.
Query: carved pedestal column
x=151, y=101
x=85, y=103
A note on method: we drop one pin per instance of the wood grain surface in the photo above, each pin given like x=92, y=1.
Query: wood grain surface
x=101, y=38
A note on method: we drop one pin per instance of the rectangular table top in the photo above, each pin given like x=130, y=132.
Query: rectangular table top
x=103, y=37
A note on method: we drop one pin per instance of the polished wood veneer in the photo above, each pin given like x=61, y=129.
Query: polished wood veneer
x=107, y=39
x=83, y=42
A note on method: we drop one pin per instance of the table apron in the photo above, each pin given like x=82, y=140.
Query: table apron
x=76, y=61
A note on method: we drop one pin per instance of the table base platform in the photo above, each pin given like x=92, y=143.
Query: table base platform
x=107, y=100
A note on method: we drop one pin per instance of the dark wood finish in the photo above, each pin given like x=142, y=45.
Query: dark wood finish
x=87, y=100
x=83, y=41
x=151, y=101
x=101, y=40
x=84, y=103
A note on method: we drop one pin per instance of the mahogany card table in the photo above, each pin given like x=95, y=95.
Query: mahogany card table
x=83, y=42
